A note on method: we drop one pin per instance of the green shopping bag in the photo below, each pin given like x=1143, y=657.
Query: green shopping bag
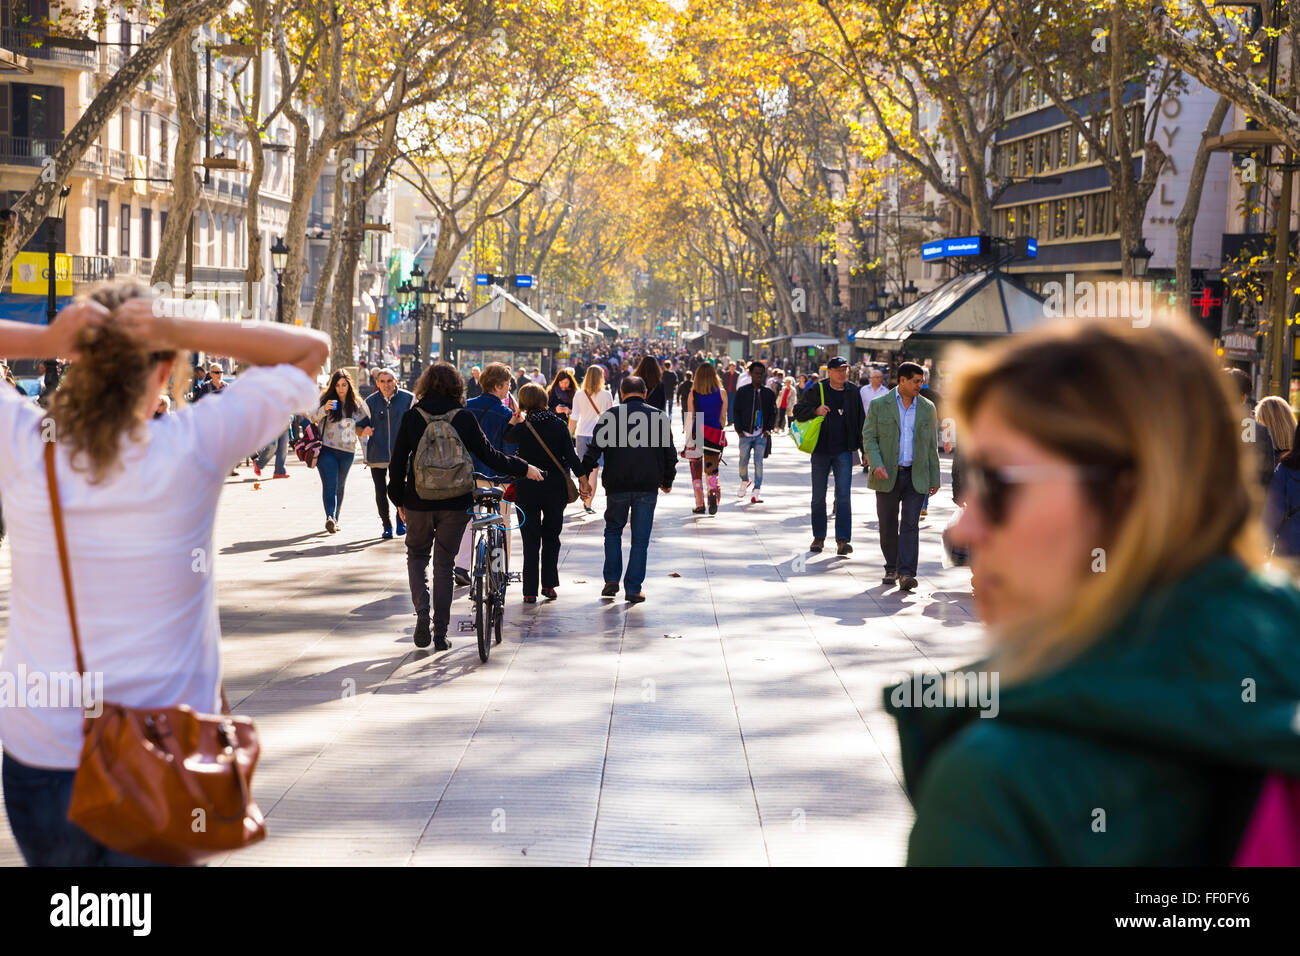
x=805, y=433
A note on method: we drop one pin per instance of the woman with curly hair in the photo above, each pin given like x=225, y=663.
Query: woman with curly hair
x=345, y=418
x=140, y=497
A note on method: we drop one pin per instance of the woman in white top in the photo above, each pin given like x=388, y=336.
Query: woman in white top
x=139, y=496
x=592, y=401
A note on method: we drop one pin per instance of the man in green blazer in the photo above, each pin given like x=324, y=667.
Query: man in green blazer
x=901, y=441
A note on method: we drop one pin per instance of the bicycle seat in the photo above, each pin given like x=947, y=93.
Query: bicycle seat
x=488, y=494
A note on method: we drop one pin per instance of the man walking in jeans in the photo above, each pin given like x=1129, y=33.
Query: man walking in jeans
x=900, y=440
x=640, y=460
x=839, y=440
x=755, y=413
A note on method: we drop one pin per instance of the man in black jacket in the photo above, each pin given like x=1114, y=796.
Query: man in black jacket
x=437, y=525
x=754, y=418
x=637, y=442
x=838, y=444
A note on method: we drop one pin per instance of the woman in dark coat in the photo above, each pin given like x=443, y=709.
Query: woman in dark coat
x=1282, y=508
x=650, y=373
x=560, y=395
x=542, y=502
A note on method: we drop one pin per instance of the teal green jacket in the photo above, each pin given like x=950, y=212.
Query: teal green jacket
x=882, y=434
x=1146, y=750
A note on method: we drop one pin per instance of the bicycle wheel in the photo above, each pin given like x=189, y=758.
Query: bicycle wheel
x=500, y=579
x=482, y=617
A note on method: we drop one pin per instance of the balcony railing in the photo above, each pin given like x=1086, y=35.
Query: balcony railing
x=92, y=268
x=117, y=163
x=158, y=171
x=32, y=43
x=92, y=161
x=28, y=150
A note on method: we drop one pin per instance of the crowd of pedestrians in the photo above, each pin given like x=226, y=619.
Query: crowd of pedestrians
x=1056, y=462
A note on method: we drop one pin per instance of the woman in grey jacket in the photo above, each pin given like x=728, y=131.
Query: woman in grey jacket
x=343, y=418
x=386, y=405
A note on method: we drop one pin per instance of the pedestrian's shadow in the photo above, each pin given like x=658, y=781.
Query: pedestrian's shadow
x=322, y=551
x=384, y=608
x=244, y=547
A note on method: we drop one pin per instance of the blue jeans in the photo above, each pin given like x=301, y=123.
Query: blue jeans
x=842, y=465
x=36, y=800
x=333, y=466
x=758, y=445
x=281, y=446
x=641, y=506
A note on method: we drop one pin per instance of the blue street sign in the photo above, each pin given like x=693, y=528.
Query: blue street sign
x=960, y=246
x=1027, y=247
x=600, y=308
x=523, y=282
x=483, y=278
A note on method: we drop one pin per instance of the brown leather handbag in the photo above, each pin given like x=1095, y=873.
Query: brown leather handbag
x=570, y=488
x=166, y=784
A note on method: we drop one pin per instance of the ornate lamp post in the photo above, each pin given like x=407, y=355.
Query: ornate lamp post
x=279, y=262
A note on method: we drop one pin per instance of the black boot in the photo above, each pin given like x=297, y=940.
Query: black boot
x=422, y=629
x=440, y=642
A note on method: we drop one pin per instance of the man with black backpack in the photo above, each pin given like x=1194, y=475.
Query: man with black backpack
x=431, y=480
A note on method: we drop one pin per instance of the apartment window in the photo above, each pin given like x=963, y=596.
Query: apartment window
x=164, y=133
x=1040, y=227
x=1013, y=98
x=1063, y=138
x=1058, y=219
x=1097, y=204
x=124, y=134
x=1105, y=135
x=124, y=232
x=101, y=227
x=144, y=133
x=1078, y=217
x=162, y=224
x=1045, y=152
x=146, y=233
x=1083, y=152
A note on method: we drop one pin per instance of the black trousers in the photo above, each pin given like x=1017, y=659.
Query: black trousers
x=435, y=533
x=900, y=536
x=543, y=518
x=380, y=478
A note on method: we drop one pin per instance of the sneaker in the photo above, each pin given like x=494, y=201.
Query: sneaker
x=924, y=512
x=549, y=594
x=388, y=534
x=440, y=642
x=906, y=582
x=890, y=578
x=843, y=547
x=609, y=590
x=331, y=525
x=401, y=525
x=817, y=545
x=285, y=475
x=462, y=577
x=754, y=499
x=740, y=492
x=422, y=629
x=589, y=509
x=257, y=469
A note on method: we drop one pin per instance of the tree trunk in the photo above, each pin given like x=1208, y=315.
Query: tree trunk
x=253, y=128
x=348, y=232
x=28, y=213
x=174, y=245
x=1186, y=221
x=330, y=265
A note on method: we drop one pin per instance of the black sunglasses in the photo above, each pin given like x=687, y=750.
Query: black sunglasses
x=992, y=487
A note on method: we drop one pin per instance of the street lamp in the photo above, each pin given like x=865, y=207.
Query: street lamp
x=1141, y=257
x=910, y=292
x=52, y=221
x=279, y=262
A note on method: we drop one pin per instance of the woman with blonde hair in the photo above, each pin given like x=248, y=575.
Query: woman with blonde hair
x=1276, y=415
x=1117, y=567
x=706, y=410
x=139, y=498
x=593, y=401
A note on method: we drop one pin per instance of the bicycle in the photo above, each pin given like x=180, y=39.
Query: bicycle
x=489, y=573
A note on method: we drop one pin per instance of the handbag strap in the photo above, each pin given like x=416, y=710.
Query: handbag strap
x=56, y=510
x=545, y=447
x=591, y=403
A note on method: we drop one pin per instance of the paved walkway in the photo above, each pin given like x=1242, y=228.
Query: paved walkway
x=734, y=718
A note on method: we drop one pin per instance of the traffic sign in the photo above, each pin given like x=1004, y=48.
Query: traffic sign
x=483, y=278
x=523, y=282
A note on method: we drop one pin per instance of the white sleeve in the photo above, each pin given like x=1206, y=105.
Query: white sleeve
x=249, y=414
x=16, y=416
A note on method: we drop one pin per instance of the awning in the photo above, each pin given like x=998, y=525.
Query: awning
x=775, y=338
x=974, y=306
x=816, y=339
x=508, y=325
x=28, y=308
